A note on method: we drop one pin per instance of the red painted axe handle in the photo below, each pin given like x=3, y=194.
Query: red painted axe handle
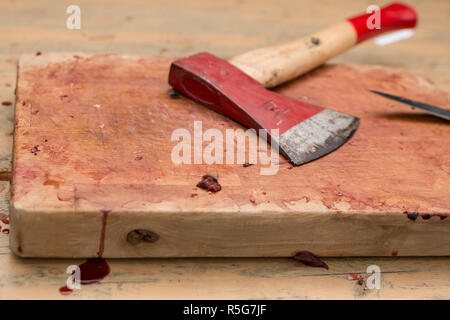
x=393, y=17
x=275, y=65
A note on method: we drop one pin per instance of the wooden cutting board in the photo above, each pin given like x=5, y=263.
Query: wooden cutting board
x=93, y=173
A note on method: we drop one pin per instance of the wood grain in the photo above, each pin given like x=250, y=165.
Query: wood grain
x=276, y=65
x=237, y=278
x=8, y=75
x=76, y=168
x=177, y=29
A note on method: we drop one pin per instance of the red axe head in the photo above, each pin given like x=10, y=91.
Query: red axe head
x=306, y=132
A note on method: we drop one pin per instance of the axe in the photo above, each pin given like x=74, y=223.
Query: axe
x=237, y=88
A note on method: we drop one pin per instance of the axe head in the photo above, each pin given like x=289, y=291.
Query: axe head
x=305, y=131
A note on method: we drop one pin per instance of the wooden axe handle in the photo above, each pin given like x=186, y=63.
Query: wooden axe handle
x=272, y=66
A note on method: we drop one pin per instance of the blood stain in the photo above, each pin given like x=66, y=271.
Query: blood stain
x=353, y=276
x=101, y=247
x=4, y=218
x=94, y=269
x=91, y=271
x=209, y=183
x=65, y=290
x=310, y=259
x=253, y=198
x=35, y=150
x=412, y=215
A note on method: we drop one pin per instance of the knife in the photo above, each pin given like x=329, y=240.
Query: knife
x=436, y=111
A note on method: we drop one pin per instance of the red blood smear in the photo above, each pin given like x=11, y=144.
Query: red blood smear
x=103, y=232
x=353, y=276
x=92, y=271
x=4, y=218
x=65, y=290
x=310, y=259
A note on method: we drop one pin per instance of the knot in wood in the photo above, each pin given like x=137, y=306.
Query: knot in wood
x=142, y=235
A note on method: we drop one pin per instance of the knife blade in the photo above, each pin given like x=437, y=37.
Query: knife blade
x=436, y=111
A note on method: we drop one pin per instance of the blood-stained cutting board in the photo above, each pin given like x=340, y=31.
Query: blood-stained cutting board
x=93, y=173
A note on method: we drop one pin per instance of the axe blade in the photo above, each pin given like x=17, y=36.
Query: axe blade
x=317, y=136
x=305, y=131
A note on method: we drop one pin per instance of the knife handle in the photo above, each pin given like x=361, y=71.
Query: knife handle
x=272, y=66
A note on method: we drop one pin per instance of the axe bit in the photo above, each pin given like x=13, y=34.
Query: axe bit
x=237, y=88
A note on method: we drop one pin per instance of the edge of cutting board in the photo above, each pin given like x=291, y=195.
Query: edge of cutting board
x=193, y=234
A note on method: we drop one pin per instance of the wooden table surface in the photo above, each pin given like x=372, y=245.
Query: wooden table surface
x=226, y=28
